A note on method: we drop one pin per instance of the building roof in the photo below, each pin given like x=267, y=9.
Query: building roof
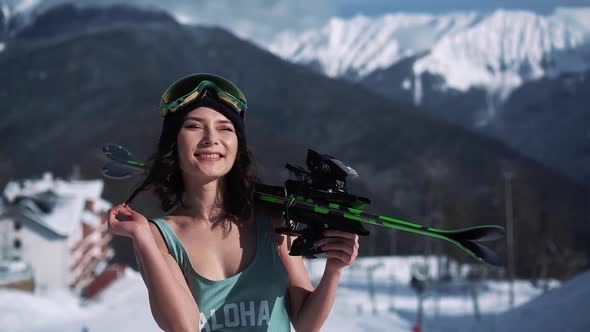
x=29, y=187
x=56, y=205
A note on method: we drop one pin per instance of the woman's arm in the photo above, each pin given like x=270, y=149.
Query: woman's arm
x=171, y=301
x=311, y=306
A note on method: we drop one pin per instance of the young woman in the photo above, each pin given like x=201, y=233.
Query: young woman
x=214, y=263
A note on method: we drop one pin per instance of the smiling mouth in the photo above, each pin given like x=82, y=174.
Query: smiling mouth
x=208, y=156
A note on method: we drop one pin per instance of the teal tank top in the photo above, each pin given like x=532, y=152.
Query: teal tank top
x=255, y=299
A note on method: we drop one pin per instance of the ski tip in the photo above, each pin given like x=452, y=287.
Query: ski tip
x=115, y=171
x=109, y=148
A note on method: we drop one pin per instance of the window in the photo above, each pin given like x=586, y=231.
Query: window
x=17, y=243
x=17, y=226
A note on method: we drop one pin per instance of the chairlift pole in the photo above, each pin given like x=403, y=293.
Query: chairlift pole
x=418, y=283
x=508, y=176
x=371, y=285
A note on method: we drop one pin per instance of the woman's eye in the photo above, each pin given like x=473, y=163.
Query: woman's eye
x=228, y=129
x=192, y=126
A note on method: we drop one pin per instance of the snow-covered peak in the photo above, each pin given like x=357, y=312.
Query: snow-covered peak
x=362, y=44
x=12, y=8
x=505, y=49
x=575, y=16
x=14, y=14
x=497, y=51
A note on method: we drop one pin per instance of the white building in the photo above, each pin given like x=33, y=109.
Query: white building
x=57, y=227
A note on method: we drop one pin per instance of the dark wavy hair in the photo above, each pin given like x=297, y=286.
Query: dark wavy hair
x=163, y=175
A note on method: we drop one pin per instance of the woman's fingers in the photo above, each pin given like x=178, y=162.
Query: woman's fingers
x=119, y=210
x=339, y=237
x=113, y=212
x=348, y=248
x=326, y=240
x=340, y=255
x=120, y=207
x=340, y=245
x=132, y=213
x=114, y=224
x=342, y=234
x=128, y=207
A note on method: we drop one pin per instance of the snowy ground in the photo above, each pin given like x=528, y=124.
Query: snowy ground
x=124, y=306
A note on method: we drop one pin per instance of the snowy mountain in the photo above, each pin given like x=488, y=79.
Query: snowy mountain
x=497, y=51
x=361, y=45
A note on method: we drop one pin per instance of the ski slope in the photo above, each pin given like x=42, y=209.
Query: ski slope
x=124, y=305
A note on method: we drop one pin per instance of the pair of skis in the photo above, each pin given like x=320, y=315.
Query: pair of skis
x=122, y=165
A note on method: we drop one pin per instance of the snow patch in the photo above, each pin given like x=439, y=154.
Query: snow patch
x=25, y=5
x=407, y=84
x=561, y=309
x=124, y=305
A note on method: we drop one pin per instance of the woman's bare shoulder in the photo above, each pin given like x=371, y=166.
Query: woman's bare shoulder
x=177, y=220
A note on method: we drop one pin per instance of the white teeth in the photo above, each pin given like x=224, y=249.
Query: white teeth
x=210, y=156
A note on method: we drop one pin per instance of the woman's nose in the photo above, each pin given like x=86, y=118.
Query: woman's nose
x=210, y=137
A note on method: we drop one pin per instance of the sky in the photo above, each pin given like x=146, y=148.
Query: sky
x=346, y=8
x=267, y=17
x=264, y=18
x=323, y=9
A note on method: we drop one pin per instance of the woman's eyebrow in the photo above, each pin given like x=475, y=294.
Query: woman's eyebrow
x=196, y=118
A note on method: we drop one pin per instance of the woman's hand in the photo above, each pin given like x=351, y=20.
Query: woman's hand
x=340, y=247
x=131, y=225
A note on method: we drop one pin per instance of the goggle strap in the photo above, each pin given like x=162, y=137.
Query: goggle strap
x=221, y=95
x=193, y=96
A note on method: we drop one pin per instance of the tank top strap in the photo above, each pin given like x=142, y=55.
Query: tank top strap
x=175, y=247
x=263, y=227
x=268, y=238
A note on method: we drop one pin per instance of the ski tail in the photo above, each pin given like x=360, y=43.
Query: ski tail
x=481, y=253
x=482, y=233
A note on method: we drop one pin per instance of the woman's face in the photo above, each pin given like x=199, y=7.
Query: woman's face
x=207, y=144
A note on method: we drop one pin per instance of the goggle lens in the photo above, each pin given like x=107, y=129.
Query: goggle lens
x=196, y=86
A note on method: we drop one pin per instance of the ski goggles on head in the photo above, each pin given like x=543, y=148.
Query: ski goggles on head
x=195, y=86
